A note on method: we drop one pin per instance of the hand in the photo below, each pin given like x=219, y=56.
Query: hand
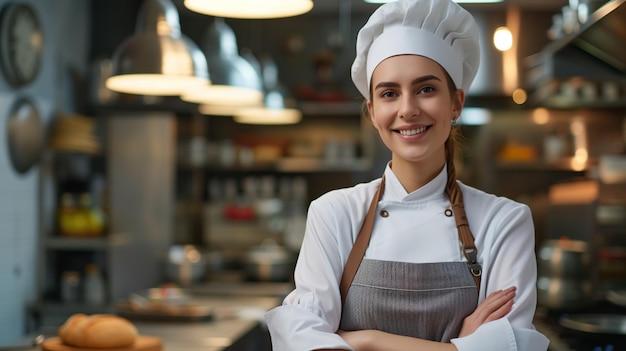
x=497, y=305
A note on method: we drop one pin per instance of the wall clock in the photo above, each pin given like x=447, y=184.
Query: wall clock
x=21, y=44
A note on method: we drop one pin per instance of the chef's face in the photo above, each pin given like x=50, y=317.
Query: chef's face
x=412, y=106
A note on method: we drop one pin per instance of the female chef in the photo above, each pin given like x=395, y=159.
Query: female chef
x=414, y=260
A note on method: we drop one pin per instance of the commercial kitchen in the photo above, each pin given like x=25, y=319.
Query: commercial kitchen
x=185, y=212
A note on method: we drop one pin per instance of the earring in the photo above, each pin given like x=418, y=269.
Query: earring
x=453, y=121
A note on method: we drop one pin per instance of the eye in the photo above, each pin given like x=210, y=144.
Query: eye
x=426, y=90
x=388, y=94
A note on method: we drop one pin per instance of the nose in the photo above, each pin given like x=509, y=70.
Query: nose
x=409, y=107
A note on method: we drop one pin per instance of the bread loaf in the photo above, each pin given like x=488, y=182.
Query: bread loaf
x=97, y=331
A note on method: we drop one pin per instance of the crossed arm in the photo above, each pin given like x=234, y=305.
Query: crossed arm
x=494, y=307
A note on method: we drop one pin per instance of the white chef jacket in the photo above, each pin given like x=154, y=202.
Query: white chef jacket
x=503, y=232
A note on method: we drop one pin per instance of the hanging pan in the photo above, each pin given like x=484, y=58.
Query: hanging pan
x=25, y=135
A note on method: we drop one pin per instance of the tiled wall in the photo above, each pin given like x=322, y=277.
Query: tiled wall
x=65, y=58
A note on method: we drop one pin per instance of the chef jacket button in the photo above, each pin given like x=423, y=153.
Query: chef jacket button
x=384, y=213
x=448, y=212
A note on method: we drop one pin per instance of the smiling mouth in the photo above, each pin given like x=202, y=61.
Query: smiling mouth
x=410, y=132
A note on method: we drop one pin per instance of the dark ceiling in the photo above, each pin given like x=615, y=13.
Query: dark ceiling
x=113, y=21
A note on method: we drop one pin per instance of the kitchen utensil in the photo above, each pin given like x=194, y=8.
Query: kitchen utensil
x=25, y=135
x=617, y=297
x=564, y=258
x=609, y=324
x=564, y=275
x=268, y=262
x=564, y=294
x=185, y=264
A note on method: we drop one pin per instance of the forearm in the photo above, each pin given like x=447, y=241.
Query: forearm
x=374, y=340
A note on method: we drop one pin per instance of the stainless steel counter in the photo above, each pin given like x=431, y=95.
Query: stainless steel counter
x=237, y=325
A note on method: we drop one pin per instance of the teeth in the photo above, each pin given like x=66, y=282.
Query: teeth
x=413, y=131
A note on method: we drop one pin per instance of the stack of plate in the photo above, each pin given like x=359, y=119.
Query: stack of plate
x=74, y=133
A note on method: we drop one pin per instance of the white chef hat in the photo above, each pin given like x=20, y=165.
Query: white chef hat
x=438, y=29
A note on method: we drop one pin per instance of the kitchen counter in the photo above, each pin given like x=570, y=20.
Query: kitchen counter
x=220, y=335
x=235, y=324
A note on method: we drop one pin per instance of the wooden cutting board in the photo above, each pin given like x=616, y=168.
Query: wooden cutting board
x=143, y=343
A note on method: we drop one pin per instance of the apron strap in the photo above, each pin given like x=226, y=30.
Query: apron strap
x=360, y=245
x=362, y=241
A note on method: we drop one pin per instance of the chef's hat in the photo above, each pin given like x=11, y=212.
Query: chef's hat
x=438, y=29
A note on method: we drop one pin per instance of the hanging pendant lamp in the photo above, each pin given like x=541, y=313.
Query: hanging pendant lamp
x=234, y=81
x=249, y=9
x=157, y=59
x=275, y=109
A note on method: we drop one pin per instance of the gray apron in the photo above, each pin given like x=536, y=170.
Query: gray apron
x=422, y=300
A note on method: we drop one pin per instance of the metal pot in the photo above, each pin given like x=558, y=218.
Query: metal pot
x=564, y=294
x=185, y=264
x=565, y=258
x=268, y=262
x=564, y=275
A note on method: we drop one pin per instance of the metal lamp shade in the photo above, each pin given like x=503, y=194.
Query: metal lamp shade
x=158, y=59
x=274, y=111
x=234, y=81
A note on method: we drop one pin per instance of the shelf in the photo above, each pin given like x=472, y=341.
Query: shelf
x=290, y=165
x=99, y=243
x=566, y=164
x=352, y=108
x=87, y=243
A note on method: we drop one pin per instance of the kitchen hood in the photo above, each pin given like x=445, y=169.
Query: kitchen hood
x=574, y=69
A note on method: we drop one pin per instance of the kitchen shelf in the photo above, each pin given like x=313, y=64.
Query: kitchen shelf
x=60, y=243
x=592, y=53
x=290, y=165
x=349, y=108
x=563, y=164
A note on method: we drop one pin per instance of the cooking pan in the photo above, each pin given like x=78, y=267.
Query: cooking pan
x=596, y=329
x=25, y=135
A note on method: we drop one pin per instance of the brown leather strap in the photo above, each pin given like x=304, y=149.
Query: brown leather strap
x=362, y=241
x=360, y=245
x=465, y=234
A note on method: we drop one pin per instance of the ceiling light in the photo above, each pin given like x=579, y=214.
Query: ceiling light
x=457, y=1
x=234, y=81
x=275, y=109
x=267, y=116
x=157, y=59
x=249, y=9
x=502, y=39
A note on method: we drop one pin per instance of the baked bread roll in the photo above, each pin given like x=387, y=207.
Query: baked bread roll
x=97, y=331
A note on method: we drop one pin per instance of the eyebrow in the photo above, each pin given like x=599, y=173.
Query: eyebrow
x=413, y=82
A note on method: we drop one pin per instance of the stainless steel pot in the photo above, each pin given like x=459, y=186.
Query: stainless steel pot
x=564, y=294
x=564, y=258
x=185, y=264
x=268, y=262
x=564, y=275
